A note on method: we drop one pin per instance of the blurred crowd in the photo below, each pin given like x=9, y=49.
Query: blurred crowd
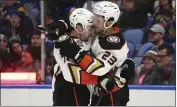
x=20, y=40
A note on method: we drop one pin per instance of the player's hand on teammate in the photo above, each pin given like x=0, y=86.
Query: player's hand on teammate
x=67, y=47
x=105, y=85
x=56, y=29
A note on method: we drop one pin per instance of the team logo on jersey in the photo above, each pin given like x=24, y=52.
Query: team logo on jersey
x=63, y=38
x=113, y=39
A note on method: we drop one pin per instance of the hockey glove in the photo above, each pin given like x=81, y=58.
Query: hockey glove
x=57, y=29
x=101, y=87
x=129, y=72
x=105, y=85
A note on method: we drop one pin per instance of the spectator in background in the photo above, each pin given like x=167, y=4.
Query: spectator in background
x=16, y=49
x=12, y=60
x=59, y=9
x=19, y=61
x=171, y=30
x=35, y=46
x=8, y=5
x=35, y=50
x=17, y=27
x=4, y=55
x=156, y=34
x=27, y=63
x=148, y=73
x=164, y=12
x=32, y=10
x=164, y=15
x=165, y=57
x=134, y=14
x=3, y=43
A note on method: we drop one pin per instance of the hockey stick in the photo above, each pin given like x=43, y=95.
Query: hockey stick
x=110, y=79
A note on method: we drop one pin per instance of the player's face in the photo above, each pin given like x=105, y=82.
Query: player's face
x=98, y=22
x=84, y=34
x=88, y=32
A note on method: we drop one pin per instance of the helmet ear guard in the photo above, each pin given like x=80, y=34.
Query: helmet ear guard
x=109, y=25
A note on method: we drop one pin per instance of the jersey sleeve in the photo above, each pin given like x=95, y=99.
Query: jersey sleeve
x=73, y=72
x=62, y=64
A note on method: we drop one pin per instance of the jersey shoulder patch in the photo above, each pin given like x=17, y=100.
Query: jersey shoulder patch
x=112, y=42
x=113, y=39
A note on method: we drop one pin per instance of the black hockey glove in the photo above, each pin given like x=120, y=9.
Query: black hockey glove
x=105, y=85
x=67, y=48
x=128, y=72
x=56, y=29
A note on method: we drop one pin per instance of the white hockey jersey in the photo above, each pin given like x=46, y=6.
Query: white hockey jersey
x=71, y=71
x=110, y=52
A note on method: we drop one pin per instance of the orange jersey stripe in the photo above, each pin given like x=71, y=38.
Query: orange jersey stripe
x=87, y=78
x=85, y=62
x=112, y=100
x=75, y=96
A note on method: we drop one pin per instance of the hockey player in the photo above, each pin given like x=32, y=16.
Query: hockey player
x=110, y=51
x=67, y=93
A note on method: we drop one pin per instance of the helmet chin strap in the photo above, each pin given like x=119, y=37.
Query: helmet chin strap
x=81, y=34
x=78, y=31
x=105, y=28
x=109, y=25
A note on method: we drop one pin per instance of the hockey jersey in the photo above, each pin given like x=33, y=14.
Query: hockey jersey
x=71, y=71
x=110, y=52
